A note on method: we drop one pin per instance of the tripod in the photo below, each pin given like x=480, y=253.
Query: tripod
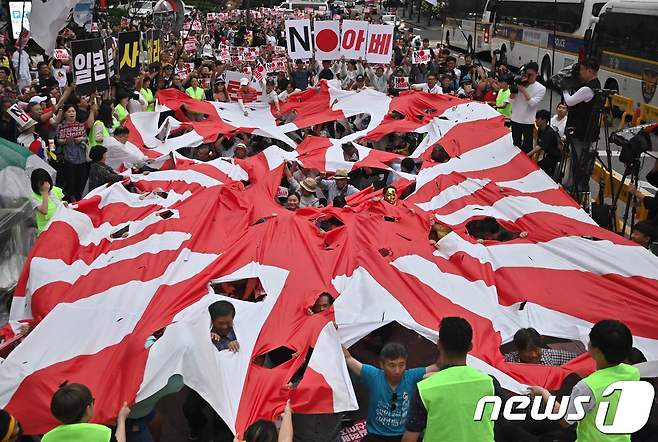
x=632, y=170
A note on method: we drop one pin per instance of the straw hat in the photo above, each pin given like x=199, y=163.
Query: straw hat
x=309, y=184
x=341, y=174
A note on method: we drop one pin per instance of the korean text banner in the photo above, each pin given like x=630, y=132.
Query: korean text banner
x=89, y=66
x=129, y=54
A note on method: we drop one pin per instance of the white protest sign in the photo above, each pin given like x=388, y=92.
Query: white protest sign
x=61, y=54
x=298, y=38
x=259, y=72
x=19, y=116
x=380, y=44
x=420, y=57
x=327, y=40
x=401, y=83
x=353, y=39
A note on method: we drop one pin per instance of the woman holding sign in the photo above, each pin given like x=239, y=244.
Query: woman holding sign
x=71, y=141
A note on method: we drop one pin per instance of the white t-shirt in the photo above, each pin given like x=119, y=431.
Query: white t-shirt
x=559, y=125
x=523, y=111
x=283, y=96
x=272, y=97
x=580, y=389
x=119, y=154
x=437, y=89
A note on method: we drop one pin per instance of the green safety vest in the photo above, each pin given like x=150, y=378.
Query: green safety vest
x=597, y=382
x=91, y=140
x=148, y=96
x=197, y=93
x=501, y=97
x=450, y=398
x=122, y=113
x=54, y=200
x=78, y=433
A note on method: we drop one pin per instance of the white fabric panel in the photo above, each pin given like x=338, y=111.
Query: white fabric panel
x=536, y=181
x=564, y=253
x=113, y=315
x=187, y=176
x=511, y=208
x=450, y=118
x=495, y=154
x=328, y=360
x=119, y=194
x=88, y=234
x=276, y=156
x=54, y=270
x=146, y=124
x=467, y=187
x=186, y=347
x=482, y=300
x=364, y=305
x=259, y=117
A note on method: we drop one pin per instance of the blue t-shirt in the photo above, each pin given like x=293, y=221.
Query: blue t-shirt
x=383, y=418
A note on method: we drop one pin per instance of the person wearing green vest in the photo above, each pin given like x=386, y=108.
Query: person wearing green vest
x=389, y=389
x=445, y=402
x=147, y=94
x=46, y=198
x=610, y=343
x=73, y=406
x=503, y=104
x=100, y=130
x=121, y=108
x=195, y=91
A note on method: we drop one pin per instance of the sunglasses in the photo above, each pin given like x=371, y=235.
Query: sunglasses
x=394, y=402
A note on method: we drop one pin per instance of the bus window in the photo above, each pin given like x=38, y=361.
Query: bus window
x=612, y=35
x=542, y=15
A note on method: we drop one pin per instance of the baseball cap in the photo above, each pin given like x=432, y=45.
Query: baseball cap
x=244, y=81
x=360, y=77
x=37, y=99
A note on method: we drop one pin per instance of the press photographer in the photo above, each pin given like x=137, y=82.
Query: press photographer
x=525, y=101
x=581, y=106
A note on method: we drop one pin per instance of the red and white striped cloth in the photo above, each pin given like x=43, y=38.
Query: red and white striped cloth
x=98, y=298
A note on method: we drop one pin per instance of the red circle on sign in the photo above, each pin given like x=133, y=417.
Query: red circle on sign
x=326, y=40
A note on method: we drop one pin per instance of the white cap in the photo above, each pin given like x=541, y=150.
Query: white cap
x=37, y=99
x=244, y=81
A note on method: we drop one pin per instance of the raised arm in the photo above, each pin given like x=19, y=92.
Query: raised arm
x=354, y=365
x=286, y=430
x=120, y=434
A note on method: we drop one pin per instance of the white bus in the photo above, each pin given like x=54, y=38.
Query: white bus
x=625, y=42
x=534, y=30
x=463, y=27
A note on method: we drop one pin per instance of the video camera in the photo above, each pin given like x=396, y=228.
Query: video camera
x=568, y=77
x=517, y=80
x=634, y=141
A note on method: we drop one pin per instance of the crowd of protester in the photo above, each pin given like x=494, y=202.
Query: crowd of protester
x=435, y=403
x=84, y=139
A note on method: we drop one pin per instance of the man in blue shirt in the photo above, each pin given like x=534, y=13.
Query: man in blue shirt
x=389, y=388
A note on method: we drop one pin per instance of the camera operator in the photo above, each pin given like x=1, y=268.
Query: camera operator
x=581, y=105
x=524, y=107
x=649, y=202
